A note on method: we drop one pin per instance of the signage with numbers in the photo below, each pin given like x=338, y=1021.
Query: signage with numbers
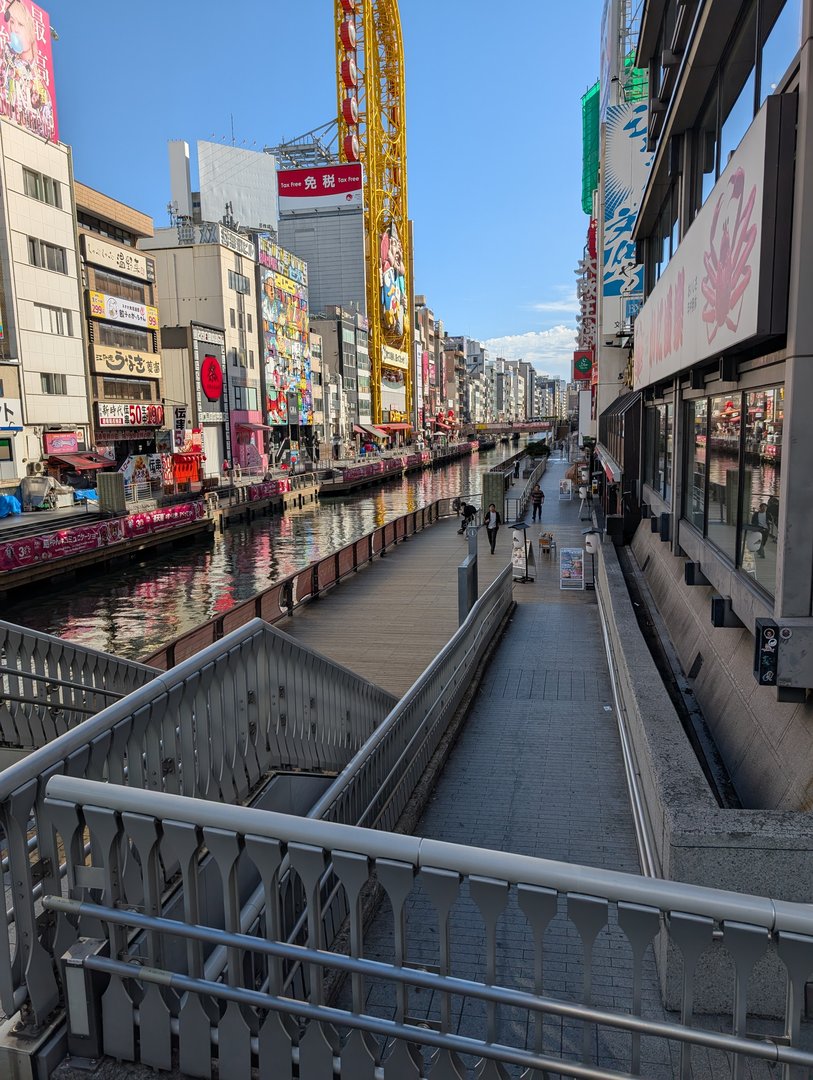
x=130, y=414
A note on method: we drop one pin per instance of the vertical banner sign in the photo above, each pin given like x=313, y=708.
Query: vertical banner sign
x=766, y=651
x=626, y=168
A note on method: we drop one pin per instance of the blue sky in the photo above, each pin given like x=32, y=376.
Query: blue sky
x=493, y=115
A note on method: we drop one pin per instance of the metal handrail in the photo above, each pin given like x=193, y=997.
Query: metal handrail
x=685, y=913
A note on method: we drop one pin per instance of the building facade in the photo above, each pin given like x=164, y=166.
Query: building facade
x=722, y=365
x=207, y=277
x=122, y=328
x=43, y=390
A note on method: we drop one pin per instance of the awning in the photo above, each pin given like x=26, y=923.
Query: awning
x=82, y=462
x=358, y=430
x=376, y=432
x=254, y=427
x=397, y=427
x=611, y=469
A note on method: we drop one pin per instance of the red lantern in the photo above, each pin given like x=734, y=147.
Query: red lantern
x=350, y=75
x=351, y=147
x=349, y=5
x=348, y=35
x=350, y=111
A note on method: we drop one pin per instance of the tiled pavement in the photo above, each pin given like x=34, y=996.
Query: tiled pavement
x=538, y=771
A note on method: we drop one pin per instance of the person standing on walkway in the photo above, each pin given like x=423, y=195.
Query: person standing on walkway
x=537, y=499
x=493, y=522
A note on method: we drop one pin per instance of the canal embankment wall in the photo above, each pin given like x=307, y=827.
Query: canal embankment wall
x=757, y=852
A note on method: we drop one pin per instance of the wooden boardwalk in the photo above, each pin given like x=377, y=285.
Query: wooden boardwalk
x=391, y=620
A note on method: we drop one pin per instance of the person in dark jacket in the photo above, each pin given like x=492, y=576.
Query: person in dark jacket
x=493, y=522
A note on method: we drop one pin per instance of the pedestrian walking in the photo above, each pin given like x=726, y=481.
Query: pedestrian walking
x=493, y=522
x=537, y=499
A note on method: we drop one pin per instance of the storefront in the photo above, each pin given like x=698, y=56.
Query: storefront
x=212, y=397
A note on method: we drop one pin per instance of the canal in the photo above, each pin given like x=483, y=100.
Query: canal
x=137, y=607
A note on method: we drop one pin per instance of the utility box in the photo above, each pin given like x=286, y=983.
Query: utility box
x=110, y=486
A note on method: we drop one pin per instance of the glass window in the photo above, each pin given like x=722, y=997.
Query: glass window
x=53, y=320
x=737, y=88
x=666, y=437
x=53, y=382
x=782, y=41
x=116, y=285
x=706, y=151
x=232, y=319
x=762, y=450
x=695, y=489
x=42, y=188
x=122, y=337
x=725, y=424
x=48, y=256
x=127, y=389
x=5, y=449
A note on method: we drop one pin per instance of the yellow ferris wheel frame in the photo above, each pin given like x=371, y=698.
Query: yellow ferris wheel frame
x=381, y=132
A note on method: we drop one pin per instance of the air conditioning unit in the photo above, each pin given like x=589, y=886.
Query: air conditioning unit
x=35, y=468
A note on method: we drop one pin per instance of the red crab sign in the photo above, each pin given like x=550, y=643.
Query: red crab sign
x=708, y=299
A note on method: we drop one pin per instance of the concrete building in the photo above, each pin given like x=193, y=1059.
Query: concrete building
x=207, y=277
x=43, y=389
x=122, y=325
x=722, y=366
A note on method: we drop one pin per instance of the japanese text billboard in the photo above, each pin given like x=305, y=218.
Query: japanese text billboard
x=110, y=361
x=27, y=92
x=114, y=308
x=286, y=332
x=626, y=169
x=323, y=188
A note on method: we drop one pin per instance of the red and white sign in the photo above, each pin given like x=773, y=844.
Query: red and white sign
x=321, y=188
x=130, y=414
x=211, y=378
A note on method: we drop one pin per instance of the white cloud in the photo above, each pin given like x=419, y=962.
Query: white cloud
x=566, y=302
x=550, y=351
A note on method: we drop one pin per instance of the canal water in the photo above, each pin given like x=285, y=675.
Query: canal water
x=137, y=607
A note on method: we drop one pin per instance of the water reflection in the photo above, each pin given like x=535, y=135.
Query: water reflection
x=135, y=608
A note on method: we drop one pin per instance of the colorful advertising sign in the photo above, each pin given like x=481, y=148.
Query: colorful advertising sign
x=321, y=188
x=718, y=288
x=286, y=333
x=130, y=414
x=126, y=362
x=582, y=364
x=27, y=91
x=60, y=442
x=393, y=280
x=115, y=258
x=626, y=168
x=393, y=390
x=103, y=306
x=571, y=568
x=211, y=378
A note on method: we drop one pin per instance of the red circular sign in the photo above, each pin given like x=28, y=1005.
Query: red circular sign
x=211, y=378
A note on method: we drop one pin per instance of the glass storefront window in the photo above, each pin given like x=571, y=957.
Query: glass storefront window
x=762, y=465
x=706, y=151
x=724, y=472
x=782, y=41
x=658, y=449
x=697, y=438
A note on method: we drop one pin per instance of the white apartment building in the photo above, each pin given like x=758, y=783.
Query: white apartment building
x=43, y=389
x=207, y=276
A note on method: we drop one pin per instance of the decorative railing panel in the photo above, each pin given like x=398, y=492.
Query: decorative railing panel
x=482, y=992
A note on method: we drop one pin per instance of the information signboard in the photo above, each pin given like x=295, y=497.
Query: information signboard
x=565, y=490
x=571, y=568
